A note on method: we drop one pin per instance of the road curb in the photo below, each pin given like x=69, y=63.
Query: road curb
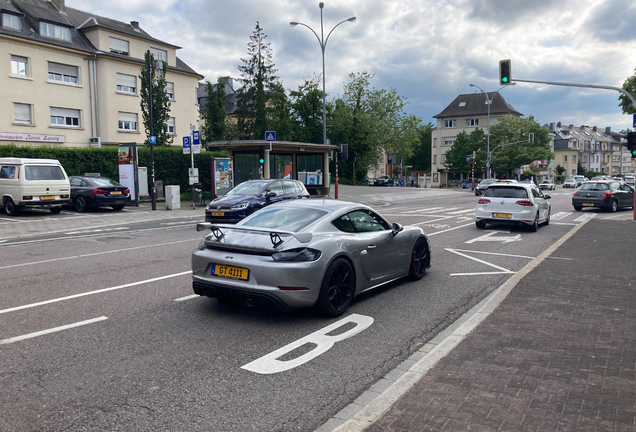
x=357, y=417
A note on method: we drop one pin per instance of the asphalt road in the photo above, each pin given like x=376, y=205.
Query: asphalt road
x=99, y=330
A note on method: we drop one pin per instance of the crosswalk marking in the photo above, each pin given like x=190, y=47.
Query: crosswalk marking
x=461, y=211
x=424, y=210
x=560, y=215
x=585, y=216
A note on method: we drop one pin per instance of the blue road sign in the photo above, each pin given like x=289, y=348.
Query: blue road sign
x=195, y=138
x=270, y=136
x=634, y=121
x=468, y=158
x=186, y=142
x=153, y=140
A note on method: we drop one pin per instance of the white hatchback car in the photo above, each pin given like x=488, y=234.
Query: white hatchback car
x=513, y=204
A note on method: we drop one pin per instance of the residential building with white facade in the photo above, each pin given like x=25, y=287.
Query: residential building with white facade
x=595, y=149
x=465, y=114
x=71, y=76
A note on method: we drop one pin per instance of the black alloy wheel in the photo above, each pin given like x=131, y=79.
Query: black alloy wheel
x=419, y=260
x=80, y=204
x=337, y=289
x=535, y=226
x=118, y=207
x=10, y=208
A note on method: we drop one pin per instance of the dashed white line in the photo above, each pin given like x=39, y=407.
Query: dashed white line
x=461, y=211
x=187, y=297
x=51, y=330
x=96, y=231
x=559, y=216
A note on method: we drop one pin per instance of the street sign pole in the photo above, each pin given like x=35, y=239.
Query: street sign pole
x=192, y=145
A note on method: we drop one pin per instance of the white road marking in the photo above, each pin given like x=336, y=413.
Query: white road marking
x=97, y=253
x=583, y=217
x=503, y=270
x=51, y=330
x=461, y=211
x=559, y=216
x=433, y=220
x=490, y=237
x=620, y=215
x=74, y=296
x=563, y=223
x=425, y=210
x=11, y=220
x=96, y=231
x=270, y=364
x=494, y=253
x=187, y=297
x=180, y=222
x=450, y=229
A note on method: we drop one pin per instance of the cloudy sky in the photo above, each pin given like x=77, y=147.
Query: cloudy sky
x=428, y=50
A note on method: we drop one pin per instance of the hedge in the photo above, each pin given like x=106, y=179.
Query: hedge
x=171, y=165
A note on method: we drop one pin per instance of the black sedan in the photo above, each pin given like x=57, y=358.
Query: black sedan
x=93, y=192
x=606, y=194
x=384, y=181
x=251, y=196
x=483, y=185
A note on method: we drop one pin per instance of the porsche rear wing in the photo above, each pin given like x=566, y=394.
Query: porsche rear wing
x=274, y=236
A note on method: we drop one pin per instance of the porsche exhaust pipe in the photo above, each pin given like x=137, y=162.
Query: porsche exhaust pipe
x=250, y=302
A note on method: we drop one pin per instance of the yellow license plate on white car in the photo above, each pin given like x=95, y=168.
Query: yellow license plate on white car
x=502, y=215
x=48, y=197
x=230, y=272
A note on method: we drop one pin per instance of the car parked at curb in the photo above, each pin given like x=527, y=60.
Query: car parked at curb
x=570, y=182
x=92, y=192
x=630, y=179
x=513, y=204
x=604, y=194
x=314, y=253
x=251, y=196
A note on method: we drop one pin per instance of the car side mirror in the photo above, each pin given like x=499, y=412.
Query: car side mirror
x=547, y=196
x=270, y=195
x=396, y=228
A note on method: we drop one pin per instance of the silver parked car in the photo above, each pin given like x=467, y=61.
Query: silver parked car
x=307, y=253
x=570, y=182
x=513, y=204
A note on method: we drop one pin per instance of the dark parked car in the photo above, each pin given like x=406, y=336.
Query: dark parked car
x=384, y=181
x=251, y=196
x=87, y=192
x=607, y=194
x=483, y=185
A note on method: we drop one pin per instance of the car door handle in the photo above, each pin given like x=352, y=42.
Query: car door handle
x=371, y=247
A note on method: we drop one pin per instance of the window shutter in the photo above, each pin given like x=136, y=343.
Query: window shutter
x=64, y=112
x=124, y=116
x=63, y=69
x=170, y=87
x=118, y=45
x=170, y=122
x=22, y=112
x=126, y=80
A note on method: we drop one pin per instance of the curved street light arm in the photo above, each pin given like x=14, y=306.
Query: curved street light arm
x=334, y=27
x=315, y=34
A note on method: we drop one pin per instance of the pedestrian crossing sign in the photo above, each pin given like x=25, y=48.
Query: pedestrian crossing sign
x=270, y=136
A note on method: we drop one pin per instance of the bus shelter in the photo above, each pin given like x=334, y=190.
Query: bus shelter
x=308, y=163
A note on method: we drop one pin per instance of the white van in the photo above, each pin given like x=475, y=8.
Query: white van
x=40, y=183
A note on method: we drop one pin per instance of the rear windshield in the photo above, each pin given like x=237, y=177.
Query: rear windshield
x=594, y=186
x=43, y=173
x=103, y=182
x=284, y=219
x=506, y=192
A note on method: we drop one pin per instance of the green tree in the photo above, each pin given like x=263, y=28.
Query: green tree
x=511, y=129
x=421, y=157
x=465, y=144
x=160, y=103
x=624, y=102
x=258, y=79
x=306, y=105
x=559, y=169
x=280, y=114
x=214, y=112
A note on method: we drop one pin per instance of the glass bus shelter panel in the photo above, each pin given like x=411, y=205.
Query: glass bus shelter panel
x=280, y=166
x=246, y=167
x=310, y=168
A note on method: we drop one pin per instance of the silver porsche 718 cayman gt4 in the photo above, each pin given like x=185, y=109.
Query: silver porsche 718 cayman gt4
x=306, y=253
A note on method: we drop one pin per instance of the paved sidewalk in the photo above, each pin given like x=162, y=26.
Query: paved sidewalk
x=558, y=354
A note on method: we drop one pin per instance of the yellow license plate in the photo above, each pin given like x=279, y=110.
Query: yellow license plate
x=48, y=197
x=502, y=215
x=230, y=272
x=218, y=214
x=115, y=193
x=588, y=204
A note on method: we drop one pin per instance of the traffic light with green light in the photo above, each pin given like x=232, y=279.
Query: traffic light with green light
x=631, y=144
x=261, y=155
x=505, y=69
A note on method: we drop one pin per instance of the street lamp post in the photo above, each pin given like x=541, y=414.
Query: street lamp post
x=323, y=44
x=489, y=102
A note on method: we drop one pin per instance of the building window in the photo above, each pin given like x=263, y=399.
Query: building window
x=596, y=158
x=565, y=158
x=118, y=46
x=614, y=169
x=583, y=159
x=170, y=90
x=127, y=121
x=442, y=158
x=10, y=21
x=462, y=104
x=170, y=126
x=573, y=159
x=434, y=142
x=472, y=122
x=616, y=158
x=573, y=172
x=22, y=113
x=126, y=83
x=449, y=141
x=19, y=66
x=434, y=159
x=55, y=31
x=450, y=123
x=65, y=117
x=63, y=73
x=159, y=54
